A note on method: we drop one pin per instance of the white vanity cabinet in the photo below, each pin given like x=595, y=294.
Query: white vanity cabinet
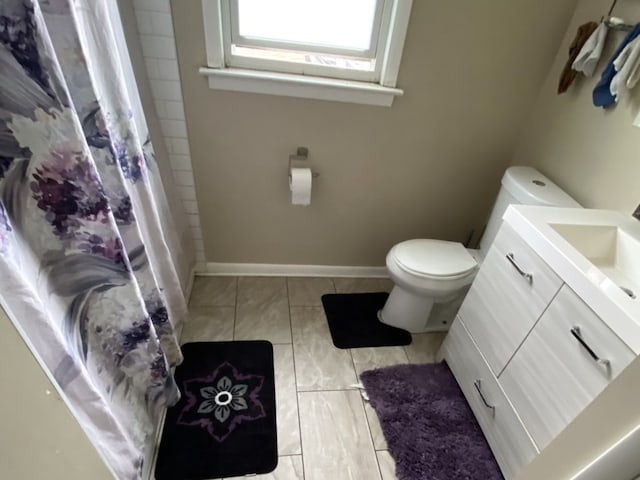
x=567, y=359
x=509, y=294
x=509, y=440
x=528, y=352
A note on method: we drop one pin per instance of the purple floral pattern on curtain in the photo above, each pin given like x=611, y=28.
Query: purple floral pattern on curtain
x=83, y=266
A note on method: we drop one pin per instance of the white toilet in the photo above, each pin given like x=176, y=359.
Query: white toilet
x=431, y=277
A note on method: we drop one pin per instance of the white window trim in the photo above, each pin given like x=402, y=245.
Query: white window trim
x=370, y=52
x=381, y=93
x=380, y=30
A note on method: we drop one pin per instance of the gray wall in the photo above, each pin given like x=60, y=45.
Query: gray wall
x=429, y=166
x=590, y=152
x=39, y=437
x=593, y=155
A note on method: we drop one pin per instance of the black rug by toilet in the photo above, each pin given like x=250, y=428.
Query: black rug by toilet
x=225, y=423
x=353, y=321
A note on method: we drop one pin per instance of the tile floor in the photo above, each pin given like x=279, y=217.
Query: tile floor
x=325, y=429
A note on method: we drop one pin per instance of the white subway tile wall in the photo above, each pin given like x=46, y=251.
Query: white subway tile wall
x=161, y=23
x=183, y=179
x=179, y=146
x=174, y=109
x=180, y=162
x=168, y=69
x=186, y=193
x=161, y=6
x=173, y=128
x=155, y=28
x=166, y=89
x=191, y=206
x=197, y=233
x=194, y=221
x=158, y=46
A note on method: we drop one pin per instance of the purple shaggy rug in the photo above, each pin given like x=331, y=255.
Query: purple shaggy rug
x=430, y=429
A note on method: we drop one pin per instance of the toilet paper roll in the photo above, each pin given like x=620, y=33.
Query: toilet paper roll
x=300, y=186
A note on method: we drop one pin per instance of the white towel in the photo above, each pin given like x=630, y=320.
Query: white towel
x=634, y=74
x=589, y=55
x=626, y=65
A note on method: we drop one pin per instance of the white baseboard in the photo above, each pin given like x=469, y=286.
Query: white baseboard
x=281, y=270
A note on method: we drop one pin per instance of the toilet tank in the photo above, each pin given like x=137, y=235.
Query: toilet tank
x=524, y=186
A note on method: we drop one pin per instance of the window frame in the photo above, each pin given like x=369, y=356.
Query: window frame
x=380, y=30
x=236, y=37
x=377, y=87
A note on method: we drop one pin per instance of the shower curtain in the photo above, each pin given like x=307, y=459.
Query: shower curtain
x=85, y=270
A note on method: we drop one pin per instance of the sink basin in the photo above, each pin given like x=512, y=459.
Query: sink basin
x=595, y=252
x=610, y=249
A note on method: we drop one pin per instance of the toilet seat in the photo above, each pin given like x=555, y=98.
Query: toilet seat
x=434, y=259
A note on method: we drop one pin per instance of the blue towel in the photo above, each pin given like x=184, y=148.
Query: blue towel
x=602, y=96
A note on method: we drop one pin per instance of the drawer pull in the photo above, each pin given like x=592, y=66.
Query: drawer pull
x=478, y=386
x=575, y=331
x=526, y=275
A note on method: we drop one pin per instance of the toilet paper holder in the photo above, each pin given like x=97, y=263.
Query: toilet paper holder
x=298, y=160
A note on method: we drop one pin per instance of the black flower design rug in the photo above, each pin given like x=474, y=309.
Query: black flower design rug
x=353, y=321
x=225, y=423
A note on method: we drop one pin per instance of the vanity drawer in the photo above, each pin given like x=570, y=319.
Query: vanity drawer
x=509, y=441
x=510, y=292
x=553, y=377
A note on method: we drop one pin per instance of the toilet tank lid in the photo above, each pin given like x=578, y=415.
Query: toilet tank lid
x=530, y=187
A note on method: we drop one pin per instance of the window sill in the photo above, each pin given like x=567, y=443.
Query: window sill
x=301, y=86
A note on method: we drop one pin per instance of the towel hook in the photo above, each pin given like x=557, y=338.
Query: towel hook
x=615, y=23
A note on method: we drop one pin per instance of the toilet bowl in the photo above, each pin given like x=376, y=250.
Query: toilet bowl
x=431, y=277
x=425, y=273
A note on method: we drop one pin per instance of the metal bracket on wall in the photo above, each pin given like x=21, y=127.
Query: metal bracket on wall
x=298, y=160
x=615, y=23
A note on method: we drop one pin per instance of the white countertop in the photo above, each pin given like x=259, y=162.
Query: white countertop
x=535, y=225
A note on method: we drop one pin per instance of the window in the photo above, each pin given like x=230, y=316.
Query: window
x=326, y=49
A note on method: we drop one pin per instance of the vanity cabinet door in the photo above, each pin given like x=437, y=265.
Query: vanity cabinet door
x=554, y=374
x=509, y=441
x=510, y=292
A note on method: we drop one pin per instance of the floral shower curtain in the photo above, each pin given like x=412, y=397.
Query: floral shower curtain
x=84, y=266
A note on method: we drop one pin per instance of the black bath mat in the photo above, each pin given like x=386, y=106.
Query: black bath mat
x=225, y=423
x=353, y=321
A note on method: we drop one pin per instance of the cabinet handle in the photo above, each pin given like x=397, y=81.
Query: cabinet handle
x=575, y=331
x=478, y=386
x=526, y=275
